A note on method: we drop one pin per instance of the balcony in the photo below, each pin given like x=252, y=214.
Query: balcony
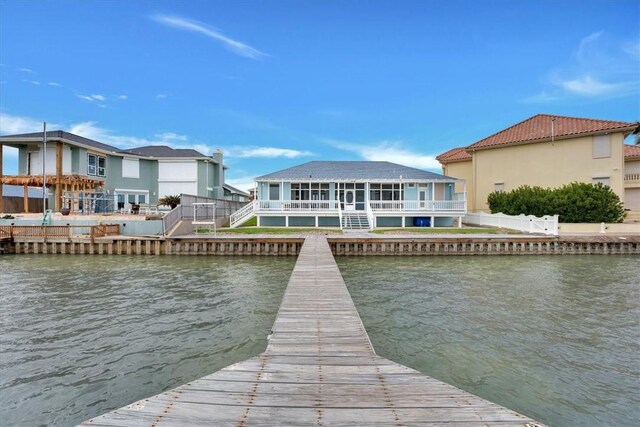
x=632, y=179
x=377, y=206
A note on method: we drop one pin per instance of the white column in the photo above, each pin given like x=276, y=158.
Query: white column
x=316, y=222
x=403, y=221
x=459, y=222
x=286, y=221
x=433, y=221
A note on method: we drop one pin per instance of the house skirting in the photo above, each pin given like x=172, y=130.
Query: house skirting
x=381, y=219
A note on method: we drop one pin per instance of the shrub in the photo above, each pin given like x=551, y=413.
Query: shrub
x=171, y=201
x=575, y=202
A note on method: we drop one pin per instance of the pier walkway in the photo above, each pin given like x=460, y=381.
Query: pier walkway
x=319, y=369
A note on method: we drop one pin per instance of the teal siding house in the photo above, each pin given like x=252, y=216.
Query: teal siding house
x=354, y=195
x=115, y=177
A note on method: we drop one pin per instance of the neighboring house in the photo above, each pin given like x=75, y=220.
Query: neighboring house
x=546, y=151
x=354, y=194
x=137, y=175
x=233, y=193
x=632, y=177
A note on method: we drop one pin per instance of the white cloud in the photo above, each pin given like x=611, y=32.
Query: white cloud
x=234, y=46
x=390, y=151
x=123, y=97
x=589, y=86
x=34, y=82
x=92, y=98
x=27, y=70
x=160, y=96
x=15, y=124
x=54, y=84
x=170, y=136
x=266, y=152
x=600, y=68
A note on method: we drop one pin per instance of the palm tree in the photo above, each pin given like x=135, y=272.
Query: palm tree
x=171, y=201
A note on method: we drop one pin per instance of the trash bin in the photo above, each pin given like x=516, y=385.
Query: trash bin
x=421, y=221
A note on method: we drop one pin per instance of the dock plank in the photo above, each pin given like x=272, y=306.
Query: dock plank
x=319, y=369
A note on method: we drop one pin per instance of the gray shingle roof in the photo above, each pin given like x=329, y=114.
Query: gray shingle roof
x=60, y=134
x=235, y=190
x=353, y=170
x=162, y=151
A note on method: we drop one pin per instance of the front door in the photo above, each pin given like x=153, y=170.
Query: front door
x=349, y=200
x=423, y=199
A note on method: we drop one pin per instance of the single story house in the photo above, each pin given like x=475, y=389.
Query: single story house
x=354, y=195
x=110, y=177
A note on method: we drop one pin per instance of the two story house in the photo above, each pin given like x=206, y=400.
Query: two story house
x=74, y=164
x=548, y=151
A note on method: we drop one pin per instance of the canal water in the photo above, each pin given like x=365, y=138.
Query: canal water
x=82, y=335
x=554, y=337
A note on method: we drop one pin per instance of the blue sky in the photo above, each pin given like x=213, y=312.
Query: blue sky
x=278, y=83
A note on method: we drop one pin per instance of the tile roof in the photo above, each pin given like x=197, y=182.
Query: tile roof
x=631, y=152
x=458, y=154
x=162, y=151
x=538, y=128
x=352, y=170
x=60, y=134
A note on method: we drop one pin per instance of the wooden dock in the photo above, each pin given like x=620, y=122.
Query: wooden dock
x=319, y=369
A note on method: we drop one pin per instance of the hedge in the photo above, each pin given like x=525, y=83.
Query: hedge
x=575, y=202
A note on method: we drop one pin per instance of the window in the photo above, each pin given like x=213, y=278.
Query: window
x=96, y=165
x=132, y=198
x=130, y=168
x=601, y=146
x=605, y=180
x=142, y=198
x=499, y=187
x=274, y=191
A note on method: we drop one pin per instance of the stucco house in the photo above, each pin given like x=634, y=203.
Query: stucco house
x=548, y=151
x=115, y=177
x=354, y=195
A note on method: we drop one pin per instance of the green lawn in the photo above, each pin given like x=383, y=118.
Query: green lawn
x=278, y=230
x=443, y=230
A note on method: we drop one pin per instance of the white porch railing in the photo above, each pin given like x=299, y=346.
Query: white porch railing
x=418, y=205
x=242, y=214
x=297, y=205
x=632, y=177
x=526, y=223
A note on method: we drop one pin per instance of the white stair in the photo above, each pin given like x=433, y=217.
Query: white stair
x=355, y=221
x=242, y=215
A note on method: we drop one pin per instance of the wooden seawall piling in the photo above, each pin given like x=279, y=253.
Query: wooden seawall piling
x=319, y=369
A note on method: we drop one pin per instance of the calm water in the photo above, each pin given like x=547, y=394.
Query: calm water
x=81, y=335
x=556, y=338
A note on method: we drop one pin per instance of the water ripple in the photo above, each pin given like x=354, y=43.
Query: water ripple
x=81, y=335
x=556, y=338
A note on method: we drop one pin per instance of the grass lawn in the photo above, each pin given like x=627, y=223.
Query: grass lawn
x=443, y=230
x=276, y=230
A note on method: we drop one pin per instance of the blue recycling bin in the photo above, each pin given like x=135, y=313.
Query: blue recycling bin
x=421, y=221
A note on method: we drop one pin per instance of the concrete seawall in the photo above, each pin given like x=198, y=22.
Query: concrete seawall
x=340, y=245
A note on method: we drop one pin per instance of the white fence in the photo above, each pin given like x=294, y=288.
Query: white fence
x=526, y=223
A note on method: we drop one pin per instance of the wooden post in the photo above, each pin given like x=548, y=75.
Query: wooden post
x=58, y=204
x=26, y=198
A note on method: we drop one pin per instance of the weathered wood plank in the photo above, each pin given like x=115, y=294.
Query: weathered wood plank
x=319, y=369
